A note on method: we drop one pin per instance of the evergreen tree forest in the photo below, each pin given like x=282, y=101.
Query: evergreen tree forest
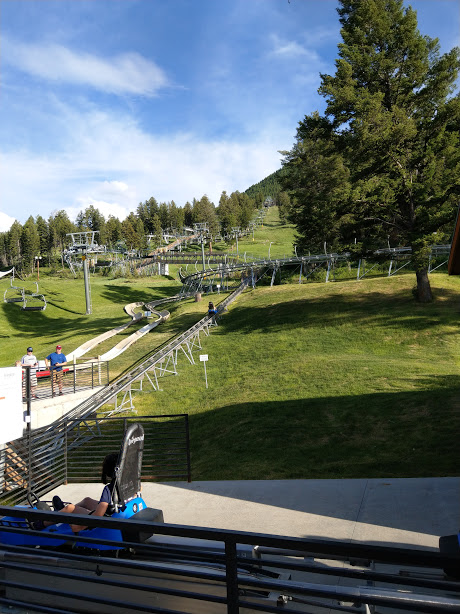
x=382, y=163
x=22, y=244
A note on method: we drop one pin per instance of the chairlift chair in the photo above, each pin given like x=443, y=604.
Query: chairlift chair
x=34, y=302
x=17, y=293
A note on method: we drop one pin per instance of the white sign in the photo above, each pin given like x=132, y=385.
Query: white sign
x=11, y=412
x=203, y=357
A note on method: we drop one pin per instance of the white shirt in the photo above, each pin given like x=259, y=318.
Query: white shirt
x=29, y=360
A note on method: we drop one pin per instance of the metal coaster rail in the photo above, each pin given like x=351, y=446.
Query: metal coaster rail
x=211, y=278
x=207, y=279
x=166, y=353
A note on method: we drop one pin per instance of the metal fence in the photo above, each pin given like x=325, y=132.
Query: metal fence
x=183, y=569
x=166, y=450
x=46, y=383
x=73, y=452
x=36, y=462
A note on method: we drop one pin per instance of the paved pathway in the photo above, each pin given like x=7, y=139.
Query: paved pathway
x=412, y=512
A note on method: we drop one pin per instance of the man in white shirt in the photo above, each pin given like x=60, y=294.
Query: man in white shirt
x=30, y=361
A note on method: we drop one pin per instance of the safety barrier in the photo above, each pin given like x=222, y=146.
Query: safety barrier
x=73, y=452
x=225, y=571
x=46, y=383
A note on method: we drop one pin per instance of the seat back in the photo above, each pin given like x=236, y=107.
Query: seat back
x=129, y=465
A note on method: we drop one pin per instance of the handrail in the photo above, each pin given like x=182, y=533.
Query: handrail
x=232, y=567
x=103, y=396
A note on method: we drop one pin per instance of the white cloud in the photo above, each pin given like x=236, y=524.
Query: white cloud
x=104, y=207
x=287, y=49
x=126, y=73
x=109, y=162
x=6, y=221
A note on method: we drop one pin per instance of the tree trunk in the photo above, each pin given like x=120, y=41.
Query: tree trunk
x=424, y=294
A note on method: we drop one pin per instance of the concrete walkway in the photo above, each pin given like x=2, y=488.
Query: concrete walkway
x=403, y=512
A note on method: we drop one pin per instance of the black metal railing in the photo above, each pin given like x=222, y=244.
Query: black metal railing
x=224, y=572
x=50, y=383
x=46, y=458
x=166, y=453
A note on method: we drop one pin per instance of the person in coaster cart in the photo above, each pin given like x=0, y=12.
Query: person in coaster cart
x=89, y=505
x=212, y=311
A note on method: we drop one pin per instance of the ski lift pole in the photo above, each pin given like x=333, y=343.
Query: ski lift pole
x=86, y=279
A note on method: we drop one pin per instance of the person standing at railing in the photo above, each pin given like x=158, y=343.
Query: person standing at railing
x=30, y=361
x=57, y=359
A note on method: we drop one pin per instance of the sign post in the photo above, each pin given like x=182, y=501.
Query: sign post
x=204, y=358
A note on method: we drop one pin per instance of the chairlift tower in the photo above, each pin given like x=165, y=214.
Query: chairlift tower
x=201, y=230
x=84, y=243
x=236, y=232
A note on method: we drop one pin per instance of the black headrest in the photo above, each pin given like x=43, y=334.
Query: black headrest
x=129, y=465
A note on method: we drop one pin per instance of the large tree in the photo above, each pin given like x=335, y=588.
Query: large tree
x=113, y=230
x=60, y=225
x=43, y=230
x=394, y=126
x=30, y=244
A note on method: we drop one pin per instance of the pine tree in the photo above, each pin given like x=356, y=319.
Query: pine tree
x=157, y=231
x=44, y=235
x=30, y=244
x=14, y=243
x=113, y=230
x=188, y=215
x=60, y=225
x=395, y=126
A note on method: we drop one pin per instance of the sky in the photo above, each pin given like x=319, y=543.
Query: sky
x=111, y=102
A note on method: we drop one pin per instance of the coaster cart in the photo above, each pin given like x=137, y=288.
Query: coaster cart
x=184, y=564
x=126, y=502
x=144, y=570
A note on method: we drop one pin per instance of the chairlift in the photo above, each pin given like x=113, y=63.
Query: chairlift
x=34, y=302
x=16, y=293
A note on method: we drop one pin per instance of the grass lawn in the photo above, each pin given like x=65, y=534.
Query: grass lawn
x=281, y=237
x=64, y=320
x=347, y=379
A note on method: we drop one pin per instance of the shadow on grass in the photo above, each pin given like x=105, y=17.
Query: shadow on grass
x=125, y=294
x=385, y=435
x=23, y=322
x=63, y=308
x=371, y=309
x=403, y=434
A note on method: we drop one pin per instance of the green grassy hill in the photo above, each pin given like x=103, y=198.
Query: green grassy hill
x=352, y=379
x=347, y=379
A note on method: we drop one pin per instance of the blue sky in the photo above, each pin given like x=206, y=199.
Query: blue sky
x=110, y=102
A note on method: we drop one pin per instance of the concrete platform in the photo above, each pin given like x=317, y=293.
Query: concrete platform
x=45, y=411
x=403, y=512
